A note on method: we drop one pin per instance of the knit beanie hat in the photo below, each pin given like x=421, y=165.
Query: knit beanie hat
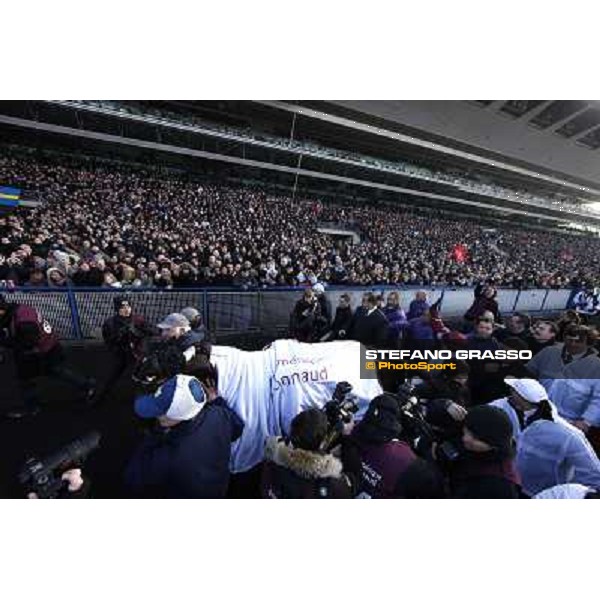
x=381, y=422
x=491, y=425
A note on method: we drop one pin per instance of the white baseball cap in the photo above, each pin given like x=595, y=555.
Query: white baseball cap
x=180, y=398
x=530, y=389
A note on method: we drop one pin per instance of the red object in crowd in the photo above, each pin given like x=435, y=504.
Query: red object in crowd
x=460, y=253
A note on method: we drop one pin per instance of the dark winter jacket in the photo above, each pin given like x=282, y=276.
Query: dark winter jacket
x=371, y=329
x=291, y=472
x=125, y=334
x=381, y=466
x=342, y=321
x=483, y=475
x=536, y=346
x=190, y=460
x=481, y=304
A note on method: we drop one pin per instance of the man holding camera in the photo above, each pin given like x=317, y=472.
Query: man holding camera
x=187, y=453
x=303, y=466
x=384, y=456
x=123, y=334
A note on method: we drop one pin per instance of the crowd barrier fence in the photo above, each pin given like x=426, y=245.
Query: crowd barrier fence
x=78, y=313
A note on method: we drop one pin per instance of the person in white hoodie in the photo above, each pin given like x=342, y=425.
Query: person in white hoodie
x=550, y=451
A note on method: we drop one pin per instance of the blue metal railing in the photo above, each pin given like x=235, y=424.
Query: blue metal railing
x=78, y=312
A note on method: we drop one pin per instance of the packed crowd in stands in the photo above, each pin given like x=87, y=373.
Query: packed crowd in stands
x=114, y=225
x=454, y=178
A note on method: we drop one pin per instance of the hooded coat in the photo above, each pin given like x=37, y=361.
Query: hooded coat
x=297, y=473
x=551, y=453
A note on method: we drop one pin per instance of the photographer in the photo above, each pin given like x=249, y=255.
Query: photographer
x=75, y=486
x=37, y=353
x=197, y=325
x=123, y=334
x=187, y=453
x=305, y=317
x=177, y=328
x=484, y=467
x=446, y=396
x=383, y=456
x=301, y=467
x=59, y=474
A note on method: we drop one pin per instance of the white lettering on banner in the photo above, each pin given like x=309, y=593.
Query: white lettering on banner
x=300, y=377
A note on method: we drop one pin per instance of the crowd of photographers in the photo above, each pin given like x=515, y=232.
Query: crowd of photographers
x=114, y=225
x=494, y=428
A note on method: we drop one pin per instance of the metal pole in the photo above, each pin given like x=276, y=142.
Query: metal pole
x=296, y=178
x=516, y=301
x=292, y=129
x=544, y=300
x=74, y=314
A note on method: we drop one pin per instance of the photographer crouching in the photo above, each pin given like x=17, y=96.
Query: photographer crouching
x=314, y=462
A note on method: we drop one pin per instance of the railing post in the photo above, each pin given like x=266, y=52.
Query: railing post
x=74, y=314
x=544, y=300
x=205, y=309
x=514, y=308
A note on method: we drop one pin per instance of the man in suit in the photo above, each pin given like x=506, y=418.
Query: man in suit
x=371, y=328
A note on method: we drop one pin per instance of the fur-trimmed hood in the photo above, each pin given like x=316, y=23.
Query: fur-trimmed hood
x=306, y=464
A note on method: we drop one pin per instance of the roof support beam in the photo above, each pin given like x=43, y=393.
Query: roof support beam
x=560, y=123
x=536, y=111
x=495, y=105
x=583, y=133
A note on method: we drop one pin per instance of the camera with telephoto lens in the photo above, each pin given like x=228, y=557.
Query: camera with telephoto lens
x=340, y=410
x=44, y=476
x=162, y=361
x=418, y=432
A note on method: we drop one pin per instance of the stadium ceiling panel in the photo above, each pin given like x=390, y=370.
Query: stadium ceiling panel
x=549, y=138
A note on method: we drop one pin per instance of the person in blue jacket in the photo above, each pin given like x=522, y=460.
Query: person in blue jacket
x=187, y=454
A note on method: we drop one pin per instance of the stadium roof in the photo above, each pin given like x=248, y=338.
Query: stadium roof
x=552, y=140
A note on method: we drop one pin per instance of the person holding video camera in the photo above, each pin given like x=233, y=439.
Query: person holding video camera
x=124, y=334
x=187, y=453
x=484, y=465
x=302, y=466
x=383, y=455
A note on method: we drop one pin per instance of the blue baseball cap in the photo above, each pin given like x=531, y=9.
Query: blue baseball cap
x=180, y=398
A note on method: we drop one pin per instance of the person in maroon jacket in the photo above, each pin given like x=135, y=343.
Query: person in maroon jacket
x=383, y=456
x=485, y=299
x=37, y=352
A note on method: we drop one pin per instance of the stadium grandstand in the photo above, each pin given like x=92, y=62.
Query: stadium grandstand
x=282, y=228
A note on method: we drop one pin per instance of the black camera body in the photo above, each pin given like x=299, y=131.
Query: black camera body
x=342, y=407
x=43, y=477
x=418, y=431
x=339, y=411
x=163, y=360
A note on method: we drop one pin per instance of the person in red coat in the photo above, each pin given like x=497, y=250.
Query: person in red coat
x=37, y=353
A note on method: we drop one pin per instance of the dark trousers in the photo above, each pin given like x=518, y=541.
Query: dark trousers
x=121, y=361
x=54, y=369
